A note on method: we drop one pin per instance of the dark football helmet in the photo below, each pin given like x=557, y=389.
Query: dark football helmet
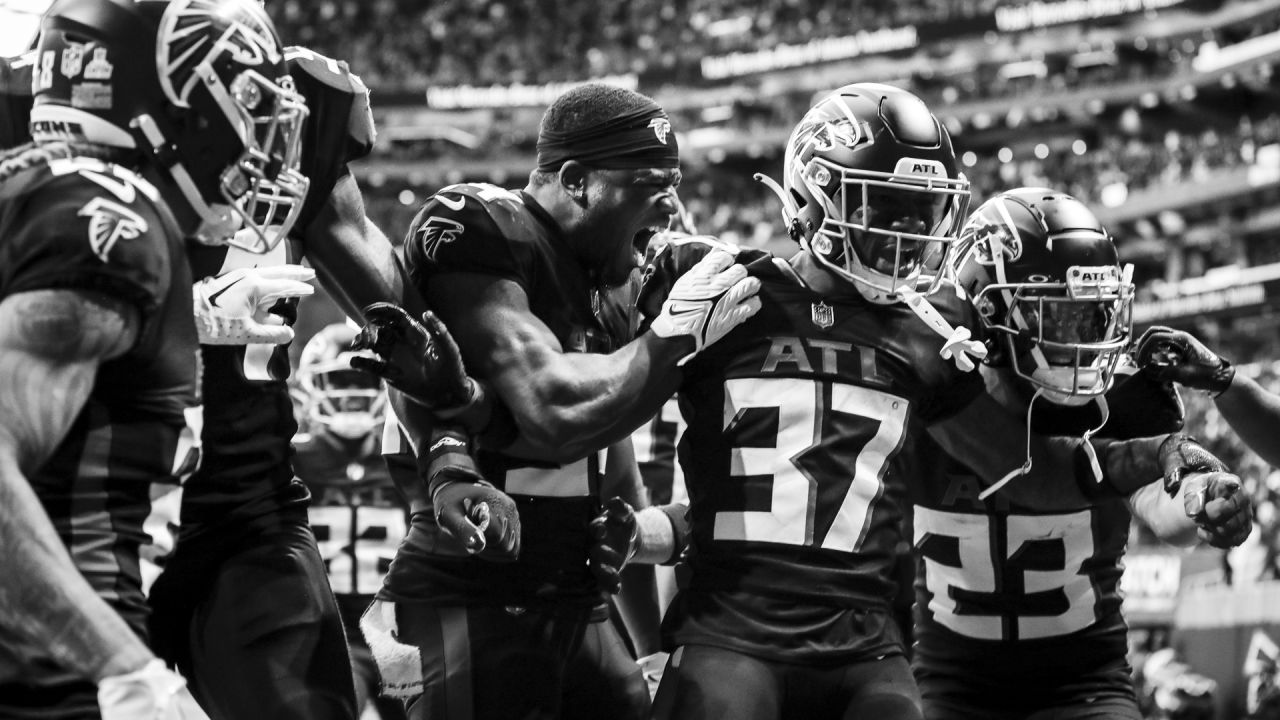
x=199, y=88
x=342, y=400
x=1043, y=273
x=871, y=189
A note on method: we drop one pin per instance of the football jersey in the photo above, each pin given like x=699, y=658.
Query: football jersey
x=804, y=425
x=109, y=488
x=248, y=415
x=479, y=228
x=356, y=513
x=1028, y=600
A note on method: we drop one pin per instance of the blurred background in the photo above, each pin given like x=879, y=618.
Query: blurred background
x=1163, y=115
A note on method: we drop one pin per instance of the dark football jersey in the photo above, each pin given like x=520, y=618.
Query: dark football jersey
x=803, y=431
x=110, y=487
x=356, y=512
x=248, y=414
x=485, y=229
x=1028, y=601
x=16, y=99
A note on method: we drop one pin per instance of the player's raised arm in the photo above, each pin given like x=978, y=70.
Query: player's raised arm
x=51, y=343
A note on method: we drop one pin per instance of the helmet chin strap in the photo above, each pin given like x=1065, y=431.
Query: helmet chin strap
x=1026, y=466
x=958, y=344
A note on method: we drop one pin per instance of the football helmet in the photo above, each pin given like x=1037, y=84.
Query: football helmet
x=1043, y=274
x=871, y=190
x=347, y=402
x=199, y=88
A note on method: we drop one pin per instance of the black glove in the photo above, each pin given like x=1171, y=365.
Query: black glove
x=420, y=360
x=1170, y=355
x=614, y=534
x=1220, y=507
x=1179, y=456
x=483, y=518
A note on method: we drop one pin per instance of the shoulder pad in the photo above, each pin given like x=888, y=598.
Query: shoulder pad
x=112, y=232
x=316, y=74
x=473, y=227
x=672, y=255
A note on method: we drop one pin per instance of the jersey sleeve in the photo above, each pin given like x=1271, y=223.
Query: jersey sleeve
x=99, y=242
x=1140, y=407
x=339, y=127
x=953, y=388
x=458, y=231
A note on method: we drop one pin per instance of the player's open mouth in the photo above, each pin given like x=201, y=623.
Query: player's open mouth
x=640, y=242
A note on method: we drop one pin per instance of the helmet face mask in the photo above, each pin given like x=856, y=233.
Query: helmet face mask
x=878, y=195
x=199, y=88
x=1044, y=276
x=346, y=402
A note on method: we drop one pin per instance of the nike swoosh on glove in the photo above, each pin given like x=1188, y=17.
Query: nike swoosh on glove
x=708, y=301
x=227, y=307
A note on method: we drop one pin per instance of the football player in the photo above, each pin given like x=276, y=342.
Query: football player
x=1019, y=612
x=356, y=513
x=244, y=607
x=807, y=425
x=519, y=277
x=153, y=122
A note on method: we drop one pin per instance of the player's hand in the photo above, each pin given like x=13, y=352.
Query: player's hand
x=1181, y=455
x=1170, y=355
x=708, y=301
x=614, y=534
x=151, y=693
x=483, y=518
x=227, y=307
x=420, y=359
x=1220, y=506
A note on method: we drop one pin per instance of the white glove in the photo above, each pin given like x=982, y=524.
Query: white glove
x=152, y=693
x=708, y=301
x=228, y=306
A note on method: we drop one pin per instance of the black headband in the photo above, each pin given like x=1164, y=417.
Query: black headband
x=638, y=139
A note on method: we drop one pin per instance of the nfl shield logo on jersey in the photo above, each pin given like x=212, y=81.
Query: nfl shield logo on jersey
x=824, y=316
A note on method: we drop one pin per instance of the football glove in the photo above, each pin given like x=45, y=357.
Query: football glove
x=1170, y=355
x=708, y=301
x=481, y=517
x=420, y=359
x=228, y=307
x=151, y=693
x=614, y=535
x=1220, y=507
x=1181, y=455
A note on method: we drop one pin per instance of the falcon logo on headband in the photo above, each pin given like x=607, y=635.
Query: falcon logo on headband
x=661, y=126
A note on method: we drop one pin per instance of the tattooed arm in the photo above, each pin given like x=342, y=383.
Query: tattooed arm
x=51, y=343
